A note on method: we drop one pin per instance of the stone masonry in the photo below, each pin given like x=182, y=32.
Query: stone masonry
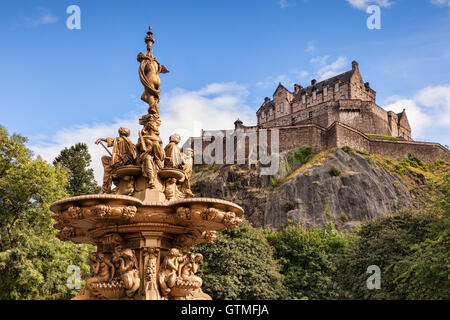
x=340, y=111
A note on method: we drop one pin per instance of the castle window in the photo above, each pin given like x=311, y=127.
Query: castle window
x=282, y=107
x=271, y=112
x=310, y=115
x=262, y=115
x=325, y=91
x=314, y=95
x=304, y=98
x=336, y=87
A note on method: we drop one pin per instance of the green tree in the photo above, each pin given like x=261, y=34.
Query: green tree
x=77, y=160
x=33, y=263
x=385, y=242
x=307, y=258
x=424, y=274
x=239, y=265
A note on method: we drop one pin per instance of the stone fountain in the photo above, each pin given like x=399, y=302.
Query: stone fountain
x=145, y=226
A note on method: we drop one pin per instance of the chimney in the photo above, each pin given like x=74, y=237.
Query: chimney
x=313, y=82
x=355, y=65
x=297, y=88
x=266, y=99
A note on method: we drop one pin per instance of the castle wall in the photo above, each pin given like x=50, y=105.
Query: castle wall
x=293, y=137
x=425, y=151
x=339, y=135
x=347, y=136
x=367, y=117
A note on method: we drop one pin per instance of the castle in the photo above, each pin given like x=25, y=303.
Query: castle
x=340, y=111
x=344, y=98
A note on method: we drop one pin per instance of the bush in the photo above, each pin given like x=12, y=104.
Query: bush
x=334, y=172
x=240, y=265
x=393, y=243
x=301, y=155
x=307, y=258
x=289, y=206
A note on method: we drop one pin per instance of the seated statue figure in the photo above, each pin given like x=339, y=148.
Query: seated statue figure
x=124, y=153
x=178, y=160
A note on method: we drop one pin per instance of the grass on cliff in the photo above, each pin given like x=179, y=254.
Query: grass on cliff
x=315, y=159
x=417, y=175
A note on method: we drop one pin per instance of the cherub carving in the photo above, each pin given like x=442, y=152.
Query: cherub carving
x=101, y=268
x=126, y=263
x=170, y=270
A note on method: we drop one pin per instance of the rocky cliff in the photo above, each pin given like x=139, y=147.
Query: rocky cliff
x=341, y=185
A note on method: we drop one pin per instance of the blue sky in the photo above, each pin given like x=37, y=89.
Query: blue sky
x=60, y=86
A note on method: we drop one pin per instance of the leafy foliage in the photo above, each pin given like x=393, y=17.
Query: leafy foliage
x=239, y=265
x=300, y=156
x=306, y=257
x=32, y=261
x=424, y=274
x=77, y=160
x=411, y=249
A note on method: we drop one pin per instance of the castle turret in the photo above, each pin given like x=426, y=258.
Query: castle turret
x=238, y=124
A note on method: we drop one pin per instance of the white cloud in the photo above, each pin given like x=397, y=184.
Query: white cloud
x=329, y=70
x=215, y=106
x=324, y=71
x=441, y=3
x=319, y=60
x=300, y=74
x=437, y=99
x=418, y=120
x=428, y=108
x=288, y=80
x=310, y=47
x=285, y=4
x=43, y=16
x=363, y=4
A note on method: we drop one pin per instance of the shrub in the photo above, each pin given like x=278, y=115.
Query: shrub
x=307, y=258
x=334, y=172
x=240, y=265
x=288, y=206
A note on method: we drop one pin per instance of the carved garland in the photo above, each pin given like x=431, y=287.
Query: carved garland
x=100, y=210
x=229, y=219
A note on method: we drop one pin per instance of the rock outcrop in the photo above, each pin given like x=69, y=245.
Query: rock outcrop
x=339, y=186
